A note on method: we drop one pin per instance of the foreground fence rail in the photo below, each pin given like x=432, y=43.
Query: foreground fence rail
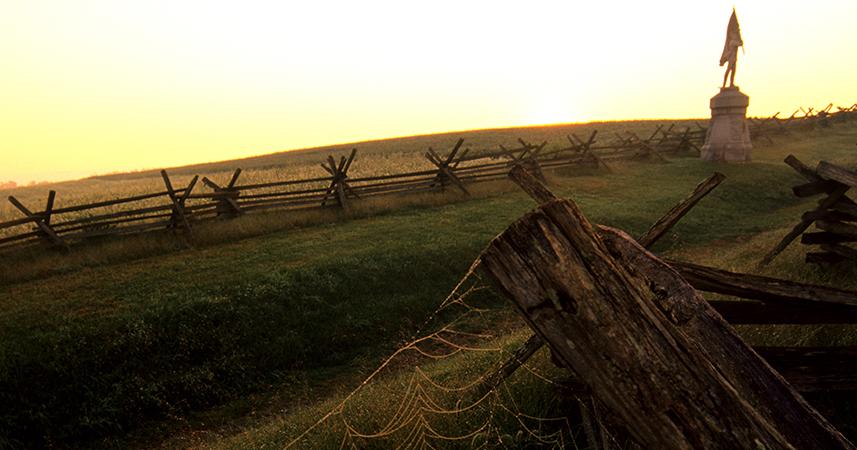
x=643, y=341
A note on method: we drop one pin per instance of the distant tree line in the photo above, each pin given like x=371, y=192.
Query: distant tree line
x=12, y=184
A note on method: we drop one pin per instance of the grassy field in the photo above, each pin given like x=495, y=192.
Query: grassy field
x=239, y=344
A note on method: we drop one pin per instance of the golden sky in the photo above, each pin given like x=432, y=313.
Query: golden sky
x=94, y=86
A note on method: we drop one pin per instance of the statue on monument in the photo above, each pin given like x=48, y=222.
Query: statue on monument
x=730, y=50
x=728, y=136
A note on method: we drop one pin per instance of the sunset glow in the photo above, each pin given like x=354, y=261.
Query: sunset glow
x=94, y=86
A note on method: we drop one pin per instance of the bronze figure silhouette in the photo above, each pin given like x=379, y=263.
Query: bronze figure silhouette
x=730, y=50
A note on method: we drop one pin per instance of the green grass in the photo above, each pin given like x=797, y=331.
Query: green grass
x=112, y=348
x=40, y=262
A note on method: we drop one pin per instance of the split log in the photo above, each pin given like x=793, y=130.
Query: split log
x=16, y=222
x=814, y=188
x=246, y=187
x=94, y=220
x=283, y=194
x=585, y=149
x=42, y=222
x=845, y=205
x=138, y=228
x=109, y=224
x=338, y=184
x=445, y=173
x=340, y=189
x=841, y=250
x=634, y=347
x=678, y=211
x=541, y=194
x=420, y=173
x=179, y=217
x=842, y=229
x=757, y=287
x=227, y=202
x=802, y=168
x=78, y=208
x=801, y=226
x=815, y=369
x=762, y=388
x=19, y=237
x=830, y=216
x=823, y=258
x=836, y=173
x=49, y=207
x=527, y=157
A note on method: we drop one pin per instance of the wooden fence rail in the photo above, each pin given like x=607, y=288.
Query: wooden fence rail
x=773, y=301
x=835, y=216
x=642, y=340
x=756, y=300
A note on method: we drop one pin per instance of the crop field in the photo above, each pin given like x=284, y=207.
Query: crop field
x=253, y=341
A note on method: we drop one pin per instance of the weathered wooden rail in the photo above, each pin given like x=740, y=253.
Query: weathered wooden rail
x=835, y=217
x=757, y=300
x=634, y=331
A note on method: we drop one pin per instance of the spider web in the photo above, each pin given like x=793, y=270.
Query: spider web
x=441, y=389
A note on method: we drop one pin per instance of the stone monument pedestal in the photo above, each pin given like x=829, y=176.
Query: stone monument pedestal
x=728, y=137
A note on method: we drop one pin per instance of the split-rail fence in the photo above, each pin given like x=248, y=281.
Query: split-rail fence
x=180, y=208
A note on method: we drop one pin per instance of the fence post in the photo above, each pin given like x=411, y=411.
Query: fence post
x=585, y=149
x=227, y=200
x=528, y=158
x=338, y=185
x=179, y=218
x=446, y=167
x=42, y=220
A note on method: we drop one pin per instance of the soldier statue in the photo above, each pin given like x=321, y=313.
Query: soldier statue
x=730, y=50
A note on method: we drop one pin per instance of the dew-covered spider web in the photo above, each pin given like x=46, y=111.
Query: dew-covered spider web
x=443, y=388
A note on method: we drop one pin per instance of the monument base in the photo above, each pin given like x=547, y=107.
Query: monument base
x=728, y=137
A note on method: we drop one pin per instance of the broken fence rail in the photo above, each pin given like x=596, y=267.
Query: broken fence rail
x=766, y=410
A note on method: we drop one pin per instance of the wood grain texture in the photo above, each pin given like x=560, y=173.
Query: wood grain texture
x=760, y=288
x=836, y=173
x=630, y=343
